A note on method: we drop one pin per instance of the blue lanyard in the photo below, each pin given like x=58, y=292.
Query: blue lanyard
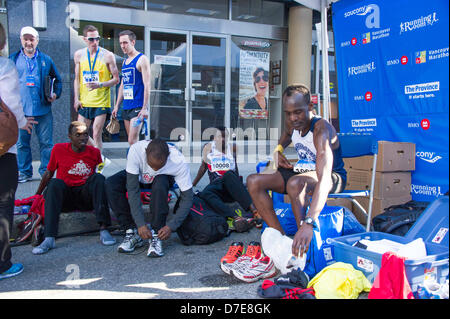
x=30, y=62
x=91, y=67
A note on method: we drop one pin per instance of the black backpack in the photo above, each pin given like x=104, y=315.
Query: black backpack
x=398, y=219
x=202, y=225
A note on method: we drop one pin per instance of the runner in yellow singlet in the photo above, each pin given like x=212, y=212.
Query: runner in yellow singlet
x=95, y=73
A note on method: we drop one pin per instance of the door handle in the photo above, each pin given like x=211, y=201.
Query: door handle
x=192, y=94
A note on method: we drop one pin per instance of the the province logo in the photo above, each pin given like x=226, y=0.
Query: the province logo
x=80, y=169
x=418, y=23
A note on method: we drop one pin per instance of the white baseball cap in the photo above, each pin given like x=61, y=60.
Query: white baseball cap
x=29, y=30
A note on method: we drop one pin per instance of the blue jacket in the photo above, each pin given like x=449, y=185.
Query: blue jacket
x=47, y=68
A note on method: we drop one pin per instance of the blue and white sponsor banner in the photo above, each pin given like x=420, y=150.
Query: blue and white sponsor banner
x=392, y=62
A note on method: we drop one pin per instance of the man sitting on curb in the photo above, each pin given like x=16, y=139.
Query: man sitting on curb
x=225, y=186
x=156, y=165
x=76, y=186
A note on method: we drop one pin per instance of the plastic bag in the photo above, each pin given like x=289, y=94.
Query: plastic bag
x=279, y=249
x=339, y=281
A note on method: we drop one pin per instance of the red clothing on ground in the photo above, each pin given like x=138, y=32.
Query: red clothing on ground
x=72, y=167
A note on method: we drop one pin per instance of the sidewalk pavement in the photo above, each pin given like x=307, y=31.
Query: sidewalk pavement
x=80, y=267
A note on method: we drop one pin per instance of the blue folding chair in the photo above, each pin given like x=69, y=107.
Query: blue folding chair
x=355, y=145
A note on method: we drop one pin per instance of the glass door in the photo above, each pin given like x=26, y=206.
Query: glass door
x=208, y=83
x=169, y=78
x=188, y=84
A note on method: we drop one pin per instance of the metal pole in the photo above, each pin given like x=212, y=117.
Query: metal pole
x=325, y=67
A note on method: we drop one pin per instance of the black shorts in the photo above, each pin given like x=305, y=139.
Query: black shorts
x=128, y=115
x=91, y=113
x=338, y=181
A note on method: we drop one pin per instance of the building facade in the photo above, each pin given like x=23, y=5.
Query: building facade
x=204, y=57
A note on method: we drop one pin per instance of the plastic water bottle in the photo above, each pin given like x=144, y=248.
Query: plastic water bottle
x=138, y=121
x=21, y=210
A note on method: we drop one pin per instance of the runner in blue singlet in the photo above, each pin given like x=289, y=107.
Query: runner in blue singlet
x=134, y=88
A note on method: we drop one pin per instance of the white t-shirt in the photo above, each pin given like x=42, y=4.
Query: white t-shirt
x=10, y=93
x=176, y=166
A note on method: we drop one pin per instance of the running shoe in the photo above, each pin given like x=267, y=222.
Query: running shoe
x=24, y=178
x=242, y=224
x=131, y=241
x=253, y=252
x=14, y=270
x=255, y=270
x=155, y=248
x=27, y=227
x=235, y=250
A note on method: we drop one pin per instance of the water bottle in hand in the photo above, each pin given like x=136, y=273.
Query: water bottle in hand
x=138, y=121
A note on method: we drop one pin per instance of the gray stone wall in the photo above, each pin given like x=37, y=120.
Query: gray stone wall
x=55, y=42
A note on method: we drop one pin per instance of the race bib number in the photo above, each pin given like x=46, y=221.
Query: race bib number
x=128, y=92
x=89, y=77
x=303, y=166
x=220, y=164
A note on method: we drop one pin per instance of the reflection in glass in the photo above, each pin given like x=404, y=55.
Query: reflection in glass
x=208, y=80
x=168, y=83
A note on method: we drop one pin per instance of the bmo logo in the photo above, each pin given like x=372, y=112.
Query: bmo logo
x=425, y=124
x=354, y=41
x=368, y=96
x=404, y=60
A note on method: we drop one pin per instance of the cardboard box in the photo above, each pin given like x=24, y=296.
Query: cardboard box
x=392, y=157
x=378, y=206
x=342, y=202
x=387, y=185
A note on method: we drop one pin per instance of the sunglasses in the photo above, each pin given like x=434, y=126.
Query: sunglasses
x=265, y=78
x=93, y=39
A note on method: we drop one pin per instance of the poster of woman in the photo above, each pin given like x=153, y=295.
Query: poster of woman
x=254, y=85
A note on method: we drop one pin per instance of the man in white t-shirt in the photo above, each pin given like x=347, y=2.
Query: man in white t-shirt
x=156, y=165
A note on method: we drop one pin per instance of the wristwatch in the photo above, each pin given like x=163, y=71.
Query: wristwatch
x=310, y=221
x=100, y=84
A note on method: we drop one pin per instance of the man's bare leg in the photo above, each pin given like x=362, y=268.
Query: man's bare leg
x=258, y=185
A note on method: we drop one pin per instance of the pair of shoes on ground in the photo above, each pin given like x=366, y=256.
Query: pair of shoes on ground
x=132, y=241
x=14, y=270
x=49, y=242
x=249, y=266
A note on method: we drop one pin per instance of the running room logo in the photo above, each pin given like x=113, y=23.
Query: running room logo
x=429, y=157
x=426, y=190
x=418, y=23
x=421, y=57
x=360, y=69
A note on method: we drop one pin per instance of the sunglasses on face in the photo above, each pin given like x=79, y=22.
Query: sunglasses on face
x=265, y=78
x=93, y=39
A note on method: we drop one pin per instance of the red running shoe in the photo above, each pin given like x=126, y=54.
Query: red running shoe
x=253, y=252
x=234, y=251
